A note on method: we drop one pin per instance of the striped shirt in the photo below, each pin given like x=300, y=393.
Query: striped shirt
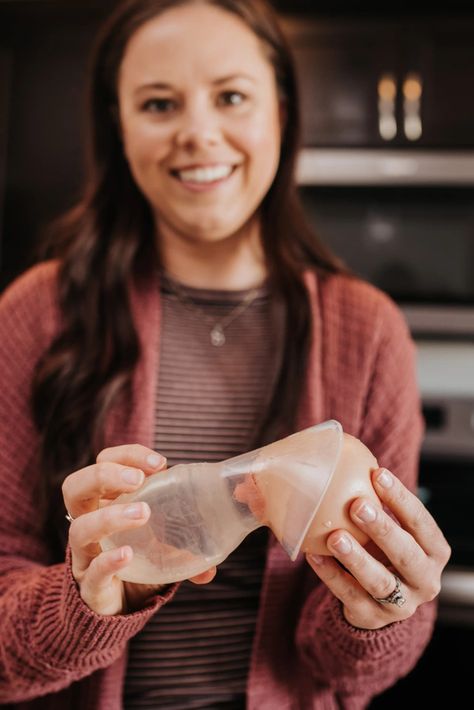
x=195, y=652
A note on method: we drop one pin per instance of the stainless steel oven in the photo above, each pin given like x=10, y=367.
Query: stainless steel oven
x=405, y=221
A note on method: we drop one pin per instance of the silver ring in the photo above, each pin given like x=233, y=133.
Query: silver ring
x=69, y=518
x=396, y=597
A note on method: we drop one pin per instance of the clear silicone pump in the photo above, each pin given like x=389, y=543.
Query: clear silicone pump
x=201, y=512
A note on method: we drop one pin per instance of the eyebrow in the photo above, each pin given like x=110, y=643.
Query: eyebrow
x=216, y=82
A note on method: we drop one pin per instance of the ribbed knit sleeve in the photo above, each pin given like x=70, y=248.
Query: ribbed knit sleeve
x=48, y=636
x=372, y=390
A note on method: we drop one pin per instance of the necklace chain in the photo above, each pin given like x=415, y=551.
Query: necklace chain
x=216, y=334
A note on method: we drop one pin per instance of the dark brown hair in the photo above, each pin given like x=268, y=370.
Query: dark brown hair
x=107, y=240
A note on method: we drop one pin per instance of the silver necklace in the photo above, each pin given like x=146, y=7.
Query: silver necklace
x=216, y=334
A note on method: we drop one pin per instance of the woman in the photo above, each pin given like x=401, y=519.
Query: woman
x=190, y=311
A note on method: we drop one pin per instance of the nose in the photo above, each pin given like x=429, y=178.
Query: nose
x=199, y=128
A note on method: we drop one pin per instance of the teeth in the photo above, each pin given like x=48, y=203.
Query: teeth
x=217, y=172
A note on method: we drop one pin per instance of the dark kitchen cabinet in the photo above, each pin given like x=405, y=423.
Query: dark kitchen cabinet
x=385, y=83
x=44, y=46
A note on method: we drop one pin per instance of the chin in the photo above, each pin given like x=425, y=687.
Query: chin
x=206, y=228
x=211, y=234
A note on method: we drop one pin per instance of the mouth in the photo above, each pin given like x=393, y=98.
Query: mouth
x=201, y=175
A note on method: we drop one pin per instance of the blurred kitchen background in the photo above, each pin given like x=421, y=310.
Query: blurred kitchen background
x=387, y=177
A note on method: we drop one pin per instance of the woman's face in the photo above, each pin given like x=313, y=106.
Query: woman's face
x=200, y=120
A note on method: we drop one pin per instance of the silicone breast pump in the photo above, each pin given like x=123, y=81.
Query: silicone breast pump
x=299, y=486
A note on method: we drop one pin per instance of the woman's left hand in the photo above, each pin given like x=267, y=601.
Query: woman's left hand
x=415, y=551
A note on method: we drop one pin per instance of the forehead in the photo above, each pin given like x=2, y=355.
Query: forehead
x=193, y=40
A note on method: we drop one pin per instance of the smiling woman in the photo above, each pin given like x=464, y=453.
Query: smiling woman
x=202, y=139
x=188, y=314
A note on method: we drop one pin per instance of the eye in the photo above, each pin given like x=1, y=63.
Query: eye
x=159, y=105
x=231, y=98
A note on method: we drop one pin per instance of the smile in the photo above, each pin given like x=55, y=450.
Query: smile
x=204, y=175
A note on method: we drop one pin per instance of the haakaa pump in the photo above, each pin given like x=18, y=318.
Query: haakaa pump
x=300, y=487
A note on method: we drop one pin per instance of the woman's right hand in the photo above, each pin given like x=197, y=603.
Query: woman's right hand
x=89, y=498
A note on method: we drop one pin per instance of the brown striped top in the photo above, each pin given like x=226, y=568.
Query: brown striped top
x=210, y=401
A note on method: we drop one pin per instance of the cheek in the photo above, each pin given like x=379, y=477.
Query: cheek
x=144, y=145
x=262, y=139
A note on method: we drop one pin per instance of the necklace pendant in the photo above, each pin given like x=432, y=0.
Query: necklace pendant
x=217, y=336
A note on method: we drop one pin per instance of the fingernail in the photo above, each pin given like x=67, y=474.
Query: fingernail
x=342, y=545
x=155, y=460
x=135, y=511
x=385, y=479
x=366, y=513
x=132, y=476
x=122, y=553
x=316, y=559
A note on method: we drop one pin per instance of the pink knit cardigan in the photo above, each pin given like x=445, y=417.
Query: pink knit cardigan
x=54, y=649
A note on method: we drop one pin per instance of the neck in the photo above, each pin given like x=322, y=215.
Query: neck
x=234, y=263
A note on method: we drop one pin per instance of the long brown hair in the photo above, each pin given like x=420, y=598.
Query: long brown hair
x=107, y=240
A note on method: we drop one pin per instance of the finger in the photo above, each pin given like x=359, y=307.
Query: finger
x=359, y=608
x=135, y=455
x=86, y=532
x=83, y=489
x=100, y=587
x=204, y=577
x=373, y=577
x=412, y=514
x=399, y=546
x=340, y=582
